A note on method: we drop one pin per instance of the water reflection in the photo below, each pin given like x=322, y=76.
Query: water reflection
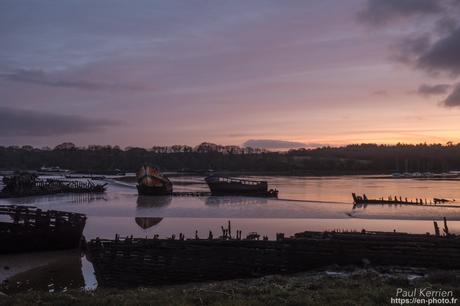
x=214, y=200
x=144, y=201
x=147, y=222
x=77, y=198
x=48, y=271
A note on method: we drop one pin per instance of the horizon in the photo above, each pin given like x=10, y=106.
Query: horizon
x=223, y=146
x=261, y=72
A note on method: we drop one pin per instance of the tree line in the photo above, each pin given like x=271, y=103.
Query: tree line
x=350, y=159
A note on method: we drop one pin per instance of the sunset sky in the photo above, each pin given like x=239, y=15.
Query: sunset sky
x=143, y=73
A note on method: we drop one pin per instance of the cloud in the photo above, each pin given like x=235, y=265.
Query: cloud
x=453, y=99
x=428, y=90
x=410, y=48
x=20, y=122
x=39, y=77
x=434, y=50
x=379, y=12
x=279, y=144
x=443, y=55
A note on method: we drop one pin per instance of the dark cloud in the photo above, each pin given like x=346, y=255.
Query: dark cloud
x=409, y=49
x=279, y=144
x=39, y=77
x=443, y=55
x=446, y=24
x=436, y=49
x=19, y=122
x=438, y=89
x=378, y=12
x=453, y=99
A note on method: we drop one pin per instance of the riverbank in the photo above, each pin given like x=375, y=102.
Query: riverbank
x=353, y=286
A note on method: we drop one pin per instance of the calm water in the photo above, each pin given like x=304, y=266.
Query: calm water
x=305, y=203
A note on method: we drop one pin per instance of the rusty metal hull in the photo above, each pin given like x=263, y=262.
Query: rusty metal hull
x=221, y=186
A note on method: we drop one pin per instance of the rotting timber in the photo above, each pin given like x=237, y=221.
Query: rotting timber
x=28, y=184
x=148, y=262
x=27, y=228
x=438, y=202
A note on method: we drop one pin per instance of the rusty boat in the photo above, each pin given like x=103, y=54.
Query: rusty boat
x=222, y=185
x=151, y=182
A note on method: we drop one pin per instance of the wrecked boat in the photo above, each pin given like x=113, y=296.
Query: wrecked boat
x=150, y=181
x=29, y=184
x=364, y=200
x=152, y=262
x=29, y=229
x=222, y=185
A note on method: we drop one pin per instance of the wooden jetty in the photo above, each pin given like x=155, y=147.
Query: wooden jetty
x=394, y=200
x=28, y=184
x=148, y=262
x=27, y=228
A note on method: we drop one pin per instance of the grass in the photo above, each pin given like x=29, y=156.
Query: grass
x=362, y=287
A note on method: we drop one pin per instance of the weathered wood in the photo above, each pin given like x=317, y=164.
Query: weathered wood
x=29, y=185
x=31, y=229
x=134, y=262
x=359, y=201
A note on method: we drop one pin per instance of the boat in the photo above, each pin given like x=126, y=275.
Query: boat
x=129, y=262
x=222, y=185
x=364, y=200
x=150, y=181
x=29, y=229
x=29, y=184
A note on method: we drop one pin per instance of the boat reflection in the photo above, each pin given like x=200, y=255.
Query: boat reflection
x=147, y=222
x=78, y=198
x=226, y=200
x=144, y=201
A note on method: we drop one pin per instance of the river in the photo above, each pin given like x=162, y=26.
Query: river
x=305, y=203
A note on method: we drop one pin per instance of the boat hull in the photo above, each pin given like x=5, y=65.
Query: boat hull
x=154, y=262
x=31, y=230
x=222, y=186
x=151, y=182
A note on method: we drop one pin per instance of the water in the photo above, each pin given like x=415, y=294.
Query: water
x=305, y=203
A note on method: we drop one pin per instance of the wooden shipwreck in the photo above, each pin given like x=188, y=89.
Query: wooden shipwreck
x=394, y=200
x=27, y=228
x=222, y=185
x=146, y=262
x=150, y=181
x=28, y=184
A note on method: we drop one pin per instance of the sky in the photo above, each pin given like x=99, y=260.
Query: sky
x=268, y=73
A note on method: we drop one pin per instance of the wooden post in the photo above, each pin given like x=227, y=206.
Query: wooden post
x=436, y=229
x=229, y=230
x=446, y=229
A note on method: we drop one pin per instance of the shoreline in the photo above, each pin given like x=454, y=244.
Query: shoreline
x=346, y=286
